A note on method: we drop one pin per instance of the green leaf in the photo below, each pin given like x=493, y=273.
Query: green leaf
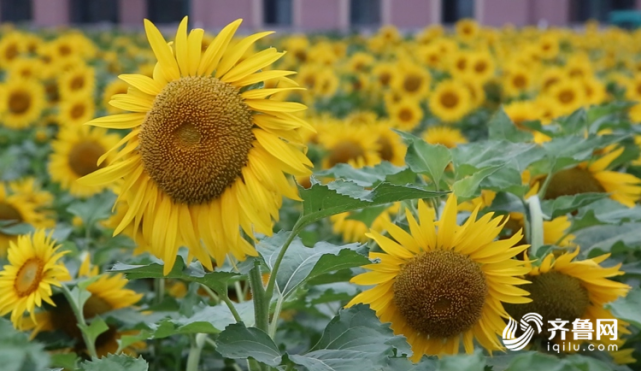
x=467, y=187
x=11, y=228
x=611, y=212
x=94, y=209
x=477, y=155
x=17, y=353
x=115, y=362
x=192, y=273
x=576, y=123
x=366, y=176
x=428, y=159
x=566, y=204
x=474, y=362
x=604, y=237
x=353, y=340
x=535, y=361
x=94, y=329
x=573, y=149
x=321, y=201
x=302, y=263
x=65, y=360
x=501, y=127
x=368, y=214
x=627, y=308
x=240, y=342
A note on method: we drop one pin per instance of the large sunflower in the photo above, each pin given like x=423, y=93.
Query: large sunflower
x=21, y=102
x=567, y=289
x=593, y=177
x=79, y=151
x=442, y=282
x=207, y=154
x=26, y=281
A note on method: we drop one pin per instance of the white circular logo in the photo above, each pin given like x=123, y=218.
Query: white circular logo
x=514, y=343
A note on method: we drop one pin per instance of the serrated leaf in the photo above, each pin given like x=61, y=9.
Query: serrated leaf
x=575, y=123
x=115, y=362
x=94, y=209
x=428, y=159
x=604, y=237
x=467, y=187
x=501, y=127
x=321, y=201
x=240, y=342
x=302, y=263
x=566, y=204
x=192, y=273
x=17, y=353
x=627, y=308
x=365, y=176
x=609, y=211
x=482, y=154
x=353, y=340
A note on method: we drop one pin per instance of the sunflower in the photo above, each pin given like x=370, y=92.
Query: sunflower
x=76, y=110
x=12, y=45
x=444, y=135
x=113, y=88
x=459, y=64
x=26, y=68
x=517, y=80
x=442, y=282
x=548, y=46
x=30, y=190
x=21, y=102
x=354, y=230
x=17, y=208
x=522, y=111
x=406, y=114
x=550, y=76
x=204, y=158
x=633, y=88
x=567, y=95
x=384, y=73
x=360, y=62
x=594, y=91
x=481, y=67
x=467, y=30
x=108, y=293
x=578, y=66
x=431, y=56
x=593, y=177
x=79, y=80
x=390, y=145
x=355, y=145
x=450, y=101
x=565, y=288
x=79, y=151
x=412, y=81
x=26, y=281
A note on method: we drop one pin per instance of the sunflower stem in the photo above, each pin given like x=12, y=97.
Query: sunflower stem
x=224, y=298
x=82, y=323
x=536, y=224
x=544, y=186
x=269, y=292
x=261, y=302
x=194, y=353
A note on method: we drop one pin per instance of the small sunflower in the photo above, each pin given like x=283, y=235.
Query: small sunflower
x=76, y=110
x=447, y=136
x=450, y=101
x=411, y=80
x=204, y=158
x=113, y=88
x=354, y=230
x=592, y=176
x=355, y=145
x=551, y=76
x=108, y=293
x=565, y=288
x=12, y=45
x=25, y=68
x=567, y=95
x=443, y=283
x=79, y=80
x=406, y=114
x=467, y=30
x=385, y=73
x=80, y=151
x=21, y=102
x=17, y=208
x=482, y=67
x=26, y=281
x=522, y=111
x=30, y=190
x=517, y=80
x=390, y=145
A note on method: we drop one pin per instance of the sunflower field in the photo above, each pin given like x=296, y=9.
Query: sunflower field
x=460, y=199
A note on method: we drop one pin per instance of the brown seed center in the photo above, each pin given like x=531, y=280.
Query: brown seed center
x=345, y=151
x=77, y=111
x=449, y=100
x=440, y=293
x=412, y=83
x=28, y=277
x=8, y=212
x=571, y=182
x=83, y=158
x=196, y=138
x=566, y=96
x=19, y=102
x=385, y=148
